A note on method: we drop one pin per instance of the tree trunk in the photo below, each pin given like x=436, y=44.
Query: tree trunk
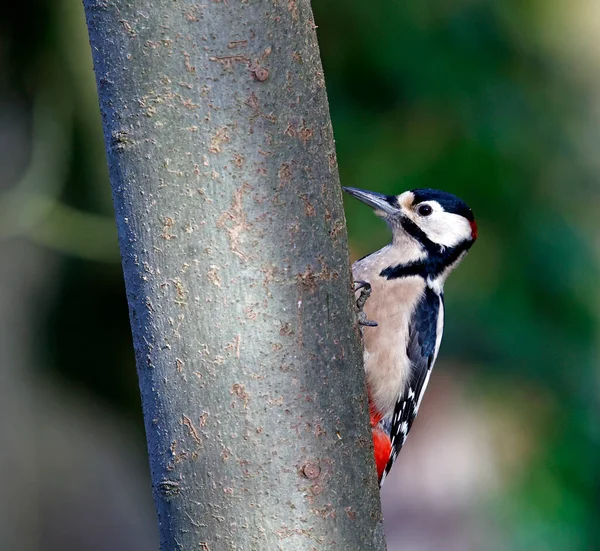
x=235, y=256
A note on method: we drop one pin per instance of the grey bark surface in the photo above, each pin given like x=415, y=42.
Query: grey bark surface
x=234, y=248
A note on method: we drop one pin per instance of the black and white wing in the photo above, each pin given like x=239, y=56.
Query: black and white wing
x=425, y=334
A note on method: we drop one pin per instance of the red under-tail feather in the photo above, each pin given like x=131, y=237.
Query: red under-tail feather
x=383, y=450
x=381, y=442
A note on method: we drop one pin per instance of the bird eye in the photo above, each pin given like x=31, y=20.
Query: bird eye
x=425, y=210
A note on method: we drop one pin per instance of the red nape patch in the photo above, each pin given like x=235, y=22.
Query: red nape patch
x=383, y=450
x=473, y=230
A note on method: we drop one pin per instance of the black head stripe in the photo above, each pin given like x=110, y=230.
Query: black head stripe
x=450, y=203
x=404, y=270
x=431, y=266
x=417, y=233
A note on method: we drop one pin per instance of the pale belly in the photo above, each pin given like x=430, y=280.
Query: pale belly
x=391, y=305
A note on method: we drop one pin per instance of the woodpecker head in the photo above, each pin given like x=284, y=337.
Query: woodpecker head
x=440, y=225
x=436, y=219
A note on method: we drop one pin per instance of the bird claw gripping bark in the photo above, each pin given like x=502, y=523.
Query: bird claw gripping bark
x=365, y=293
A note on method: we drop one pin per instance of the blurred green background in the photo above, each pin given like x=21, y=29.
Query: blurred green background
x=497, y=102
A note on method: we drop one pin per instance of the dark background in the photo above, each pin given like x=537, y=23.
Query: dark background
x=496, y=102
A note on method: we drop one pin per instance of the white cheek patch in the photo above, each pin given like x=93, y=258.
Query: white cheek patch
x=446, y=228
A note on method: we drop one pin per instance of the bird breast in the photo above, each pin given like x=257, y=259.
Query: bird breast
x=391, y=305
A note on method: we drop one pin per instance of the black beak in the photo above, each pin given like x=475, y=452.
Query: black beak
x=378, y=201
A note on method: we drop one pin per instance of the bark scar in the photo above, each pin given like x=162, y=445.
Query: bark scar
x=235, y=223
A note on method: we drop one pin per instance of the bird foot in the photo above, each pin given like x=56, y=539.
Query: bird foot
x=365, y=293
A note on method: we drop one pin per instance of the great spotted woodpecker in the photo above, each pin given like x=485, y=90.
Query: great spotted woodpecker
x=431, y=233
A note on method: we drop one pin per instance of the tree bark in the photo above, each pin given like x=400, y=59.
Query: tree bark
x=235, y=257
